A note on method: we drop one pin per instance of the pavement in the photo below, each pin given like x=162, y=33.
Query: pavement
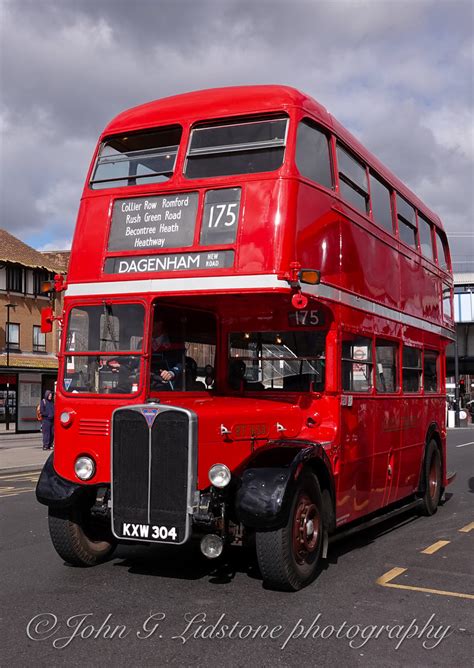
x=21, y=452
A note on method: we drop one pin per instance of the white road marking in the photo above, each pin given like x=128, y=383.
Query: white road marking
x=463, y=445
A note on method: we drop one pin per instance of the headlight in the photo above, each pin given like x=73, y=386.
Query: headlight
x=219, y=475
x=84, y=468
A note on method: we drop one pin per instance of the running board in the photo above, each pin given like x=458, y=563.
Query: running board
x=343, y=533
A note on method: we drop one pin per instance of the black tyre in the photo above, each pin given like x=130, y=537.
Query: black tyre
x=78, y=538
x=288, y=557
x=431, y=479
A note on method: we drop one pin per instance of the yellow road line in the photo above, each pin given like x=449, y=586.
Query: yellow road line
x=435, y=547
x=467, y=528
x=20, y=476
x=13, y=491
x=386, y=581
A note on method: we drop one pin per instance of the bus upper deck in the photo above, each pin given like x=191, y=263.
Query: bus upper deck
x=244, y=184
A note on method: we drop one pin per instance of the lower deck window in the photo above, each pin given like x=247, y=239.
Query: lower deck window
x=386, y=374
x=411, y=369
x=284, y=361
x=183, y=350
x=430, y=371
x=96, y=374
x=356, y=364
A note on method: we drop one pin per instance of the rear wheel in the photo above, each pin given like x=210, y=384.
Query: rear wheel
x=432, y=479
x=78, y=537
x=288, y=557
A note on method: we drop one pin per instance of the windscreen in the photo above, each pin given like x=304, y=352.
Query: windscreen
x=135, y=159
x=103, y=349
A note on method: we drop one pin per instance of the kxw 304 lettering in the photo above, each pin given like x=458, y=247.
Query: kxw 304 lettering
x=130, y=530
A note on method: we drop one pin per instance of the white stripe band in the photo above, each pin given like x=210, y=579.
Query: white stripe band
x=249, y=282
x=348, y=299
x=161, y=285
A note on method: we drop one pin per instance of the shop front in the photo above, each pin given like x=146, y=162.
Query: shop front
x=20, y=394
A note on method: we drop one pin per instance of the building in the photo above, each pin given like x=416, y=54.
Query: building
x=28, y=362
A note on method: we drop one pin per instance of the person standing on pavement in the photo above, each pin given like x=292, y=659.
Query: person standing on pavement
x=47, y=425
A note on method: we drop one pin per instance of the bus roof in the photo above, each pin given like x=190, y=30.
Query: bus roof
x=213, y=103
x=231, y=101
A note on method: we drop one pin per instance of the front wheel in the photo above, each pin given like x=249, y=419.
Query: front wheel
x=78, y=537
x=288, y=557
x=432, y=479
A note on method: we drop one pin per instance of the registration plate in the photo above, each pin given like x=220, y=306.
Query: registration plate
x=149, y=532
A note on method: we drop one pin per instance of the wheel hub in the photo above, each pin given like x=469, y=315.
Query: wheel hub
x=306, y=528
x=433, y=478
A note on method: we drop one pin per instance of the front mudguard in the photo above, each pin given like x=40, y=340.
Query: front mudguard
x=264, y=497
x=57, y=492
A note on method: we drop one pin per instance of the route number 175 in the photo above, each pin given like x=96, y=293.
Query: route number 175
x=305, y=318
x=223, y=214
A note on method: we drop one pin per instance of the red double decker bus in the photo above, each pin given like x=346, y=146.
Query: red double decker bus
x=255, y=322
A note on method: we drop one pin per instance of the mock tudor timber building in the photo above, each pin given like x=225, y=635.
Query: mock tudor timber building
x=28, y=362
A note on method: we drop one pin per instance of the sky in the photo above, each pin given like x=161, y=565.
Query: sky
x=399, y=74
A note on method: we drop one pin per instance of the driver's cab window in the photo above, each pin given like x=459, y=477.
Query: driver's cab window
x=292, y=361
x=183, y=350
x=103, y=348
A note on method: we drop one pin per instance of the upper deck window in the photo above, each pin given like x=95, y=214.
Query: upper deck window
x=381, y=204
x=236, y=148
x=352, y=180
x=134, y=159
x=441, y=246
x=312, y=154
x=406, y=222
x=424, y=228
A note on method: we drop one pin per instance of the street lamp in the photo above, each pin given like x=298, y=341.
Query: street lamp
x=7, y=344
x=7, y=334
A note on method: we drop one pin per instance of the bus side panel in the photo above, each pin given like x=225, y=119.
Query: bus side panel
x=431, y=302
x=355, y=481
x=419, y=289
x=369, y=266
x=414, y=418
x=317, y=233
x=386, y=466
x=263, y=236
x=90, y=240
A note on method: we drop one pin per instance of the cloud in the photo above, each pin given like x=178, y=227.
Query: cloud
x=399, y=74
